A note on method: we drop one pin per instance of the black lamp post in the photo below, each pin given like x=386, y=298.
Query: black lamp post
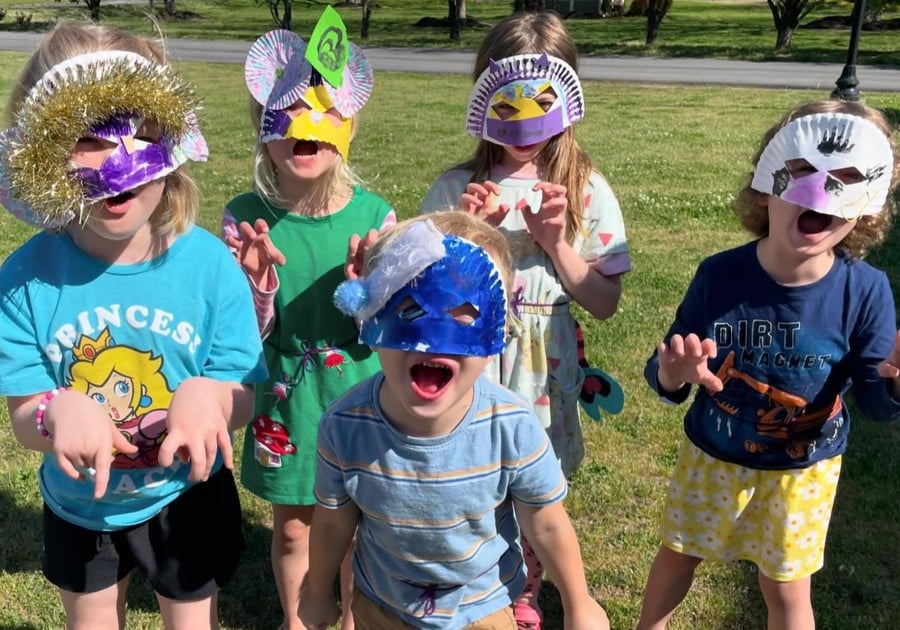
x=847, y=84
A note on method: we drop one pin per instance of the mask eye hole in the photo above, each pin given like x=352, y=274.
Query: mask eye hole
x=504, y=110
x=848, y=175
x=149, y=132
x=464, y=314
x=800, y=168
x=409, y=310
x=546, y=99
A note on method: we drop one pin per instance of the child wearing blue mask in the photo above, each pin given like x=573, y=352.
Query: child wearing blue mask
x=437, y=466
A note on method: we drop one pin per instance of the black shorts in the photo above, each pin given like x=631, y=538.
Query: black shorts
x=187, y=552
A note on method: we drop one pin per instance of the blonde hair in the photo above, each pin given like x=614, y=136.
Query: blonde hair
x=563, y=161
x=339, y=178
x=461, y=224
x=178, y=208
x=751, y=206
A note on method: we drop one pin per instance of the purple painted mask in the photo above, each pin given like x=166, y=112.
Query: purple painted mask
x=134, y=162
x=524, y=99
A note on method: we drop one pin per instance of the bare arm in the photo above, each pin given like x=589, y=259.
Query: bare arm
x=597, y=294
x=553, y=538
x=330, y=536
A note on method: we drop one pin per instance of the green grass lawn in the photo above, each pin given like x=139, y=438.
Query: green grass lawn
x=675, y=156
x=693, y=28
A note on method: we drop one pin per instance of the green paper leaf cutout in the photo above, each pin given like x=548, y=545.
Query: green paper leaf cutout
x=329, y=48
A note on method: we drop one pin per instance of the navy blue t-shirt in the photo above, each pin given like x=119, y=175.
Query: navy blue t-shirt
x=786, y=356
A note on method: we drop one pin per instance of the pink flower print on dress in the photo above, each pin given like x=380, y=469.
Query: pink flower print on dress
x=335, y=359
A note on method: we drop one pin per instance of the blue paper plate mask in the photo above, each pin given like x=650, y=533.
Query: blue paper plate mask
x=456, y=305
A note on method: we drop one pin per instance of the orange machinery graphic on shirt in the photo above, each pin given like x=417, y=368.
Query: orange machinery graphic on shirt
x=130, y=386
x=785, y=424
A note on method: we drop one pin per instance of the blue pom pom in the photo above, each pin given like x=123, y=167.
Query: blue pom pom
x=351, y=296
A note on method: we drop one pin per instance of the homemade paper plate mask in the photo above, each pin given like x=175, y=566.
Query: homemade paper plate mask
x=835, y=164
x=109, y=96
x=330, y=76
x=429, y=292
x=506, y=107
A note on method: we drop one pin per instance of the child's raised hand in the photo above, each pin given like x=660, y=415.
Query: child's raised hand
x=547, y=225
x=684, y=360
x=197, y=428
x=84, y=438
x=890, y=367
x=479, y=200
x=356, y=253
x=254, y=250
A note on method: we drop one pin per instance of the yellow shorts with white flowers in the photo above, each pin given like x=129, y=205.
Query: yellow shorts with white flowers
x=777, y=519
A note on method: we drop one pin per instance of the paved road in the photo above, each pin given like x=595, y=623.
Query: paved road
x=772, y=74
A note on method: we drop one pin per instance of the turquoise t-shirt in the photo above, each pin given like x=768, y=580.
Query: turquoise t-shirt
x=126, y=335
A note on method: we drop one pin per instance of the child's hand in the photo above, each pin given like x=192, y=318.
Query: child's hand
x=84, y=438
x=684, y=360
x=890, y=367
x=479, y=200
x=317, y=612
x=589, y=616
x=254, y=250
x=356, y=253
x=547, y=226
x=197, y=428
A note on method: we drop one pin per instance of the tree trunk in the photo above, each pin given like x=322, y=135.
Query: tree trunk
x=783, y=39
x=366, y=19
x=169, y=7
x=453, y=16
x=94, y=10
x=653, y=19
x=462, y=10
x=281, y=17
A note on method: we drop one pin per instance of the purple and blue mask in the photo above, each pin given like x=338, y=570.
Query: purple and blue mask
x=135, y=161
x=456, y=305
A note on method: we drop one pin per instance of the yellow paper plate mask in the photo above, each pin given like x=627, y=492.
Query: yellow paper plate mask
x=330, y=76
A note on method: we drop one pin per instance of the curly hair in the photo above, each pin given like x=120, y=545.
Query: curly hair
x=751, y=206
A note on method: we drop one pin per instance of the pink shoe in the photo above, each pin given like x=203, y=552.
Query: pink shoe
x=527, y=617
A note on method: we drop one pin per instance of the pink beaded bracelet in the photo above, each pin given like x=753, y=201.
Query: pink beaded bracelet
x=42, y=407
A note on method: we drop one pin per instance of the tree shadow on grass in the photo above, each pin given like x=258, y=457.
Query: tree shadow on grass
x=20, y=528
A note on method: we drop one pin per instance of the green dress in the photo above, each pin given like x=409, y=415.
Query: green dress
x=312, y=352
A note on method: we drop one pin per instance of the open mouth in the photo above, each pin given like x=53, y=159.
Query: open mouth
x=812, y=222
x=121, y=198
x=429, y=379
x=304, y=148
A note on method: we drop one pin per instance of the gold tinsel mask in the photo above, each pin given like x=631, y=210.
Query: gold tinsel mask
x=71, y=101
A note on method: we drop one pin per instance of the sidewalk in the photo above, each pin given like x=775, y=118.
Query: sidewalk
x=768, y=74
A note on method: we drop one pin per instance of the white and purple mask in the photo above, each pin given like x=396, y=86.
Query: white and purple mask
x=835, y=164
x=431, y=293
x=106, y=95
x=134, y=162
x=507, y=108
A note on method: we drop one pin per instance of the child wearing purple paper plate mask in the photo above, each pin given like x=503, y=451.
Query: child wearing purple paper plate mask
x=290, y=236
x=127, y=378
x=774, y=333
x=530, y=177
x=436, y=465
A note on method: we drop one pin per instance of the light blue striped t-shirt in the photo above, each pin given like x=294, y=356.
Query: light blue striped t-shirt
x=437, y=543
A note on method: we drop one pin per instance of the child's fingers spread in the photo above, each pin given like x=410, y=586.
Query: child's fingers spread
x=66, y=465
x=470, y=202
x=888, y=370
x=224, y=441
